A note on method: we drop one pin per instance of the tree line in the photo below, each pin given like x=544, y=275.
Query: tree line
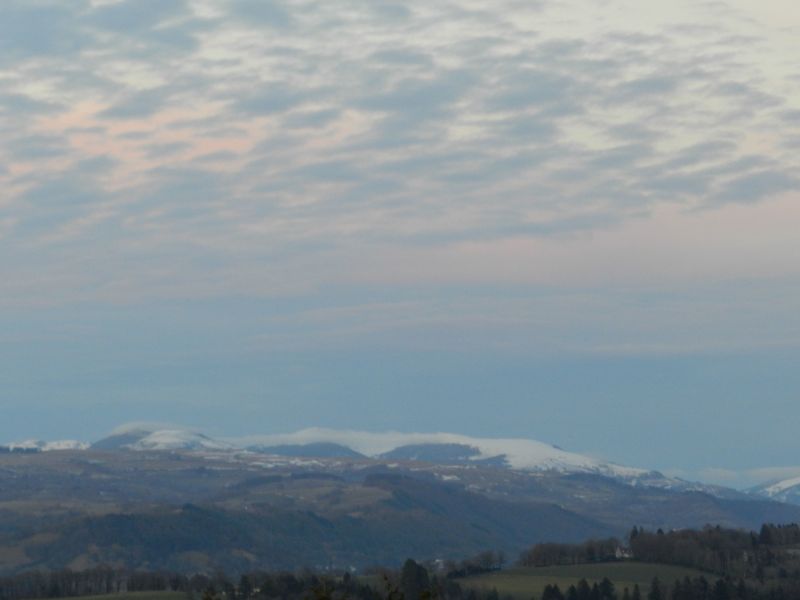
x=727, y=552
x=748, y=566
x=772, y=553
x=590, y=551
x=697, y=588
x=92, y=582
x=412, y=582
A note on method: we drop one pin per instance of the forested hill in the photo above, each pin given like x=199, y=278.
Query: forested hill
x=721, y=564
x=196, y=511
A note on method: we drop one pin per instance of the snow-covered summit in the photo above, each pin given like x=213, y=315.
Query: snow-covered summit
x=522, y=454
x=447, y=448
x=782, y=486
x=44, y=446
x=178, y=439
x=392, y=446
x=783, y=490
x=515, y=453
x=156, y=436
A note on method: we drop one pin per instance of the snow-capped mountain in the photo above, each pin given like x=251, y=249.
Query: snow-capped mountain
x=445, y=448
x=785, y=490
x=139, y=436
x=455, y=449
x=313, y=450
x=437, y=448
x=451, y=448
x=389, y=447
x=43, y=446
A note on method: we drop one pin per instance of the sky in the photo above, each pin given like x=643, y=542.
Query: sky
x=574, y=221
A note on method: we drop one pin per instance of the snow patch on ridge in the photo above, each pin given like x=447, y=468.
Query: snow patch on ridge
x=780, y=487
x=48, y=446
x=178, y=439
x=521, y=454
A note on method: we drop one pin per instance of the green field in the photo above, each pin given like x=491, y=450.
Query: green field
x=529, y=582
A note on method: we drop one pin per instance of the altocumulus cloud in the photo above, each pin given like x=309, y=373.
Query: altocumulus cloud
x=331, y=134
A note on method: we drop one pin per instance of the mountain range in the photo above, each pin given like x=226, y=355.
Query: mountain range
x=161, y=497
x=437, y=448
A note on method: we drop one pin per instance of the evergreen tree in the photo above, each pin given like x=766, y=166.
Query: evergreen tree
x=584, y=591
x=245, y=587
x=607, y=591
x=414, y=580
x=741, y=590
x=655, y=590
x=678, y=592
x=720, y=591
x=552, y=592
x=572, y=593
x=700, y=588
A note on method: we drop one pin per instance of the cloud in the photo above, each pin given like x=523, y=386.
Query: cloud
x=138, y=105
x=420, y=97
x=402, y=57
x=40, y=29
x=518, y=182
x=391, y=11
x=643, y=88
x=167, y=149
x=285, y=128
x=312, y=119
x=755, y=187
x=132, y=16
x=527, y=89
x=17, y=105
x=274, y=97
x=61, y=194
x=262, y=12
x=719, y=476
x=765, y=475
x=38, y=146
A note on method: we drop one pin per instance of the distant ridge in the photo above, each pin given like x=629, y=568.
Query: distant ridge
x=176, y=498
x=444, y=454
x=151, y=437
x=43, y=446
x=434, y=448
x=514, y=453
x=318, y=449
x=783, y=490
x=437, y=448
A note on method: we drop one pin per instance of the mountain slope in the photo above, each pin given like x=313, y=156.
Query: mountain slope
x=318, y=449
x=785, y=490
x=435, y=448
x=44, y=446
x=445, y=447
x=414, y=519
x=87, y=507
x=154, y=437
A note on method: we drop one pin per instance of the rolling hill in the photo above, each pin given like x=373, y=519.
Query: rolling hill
x=156, y=497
